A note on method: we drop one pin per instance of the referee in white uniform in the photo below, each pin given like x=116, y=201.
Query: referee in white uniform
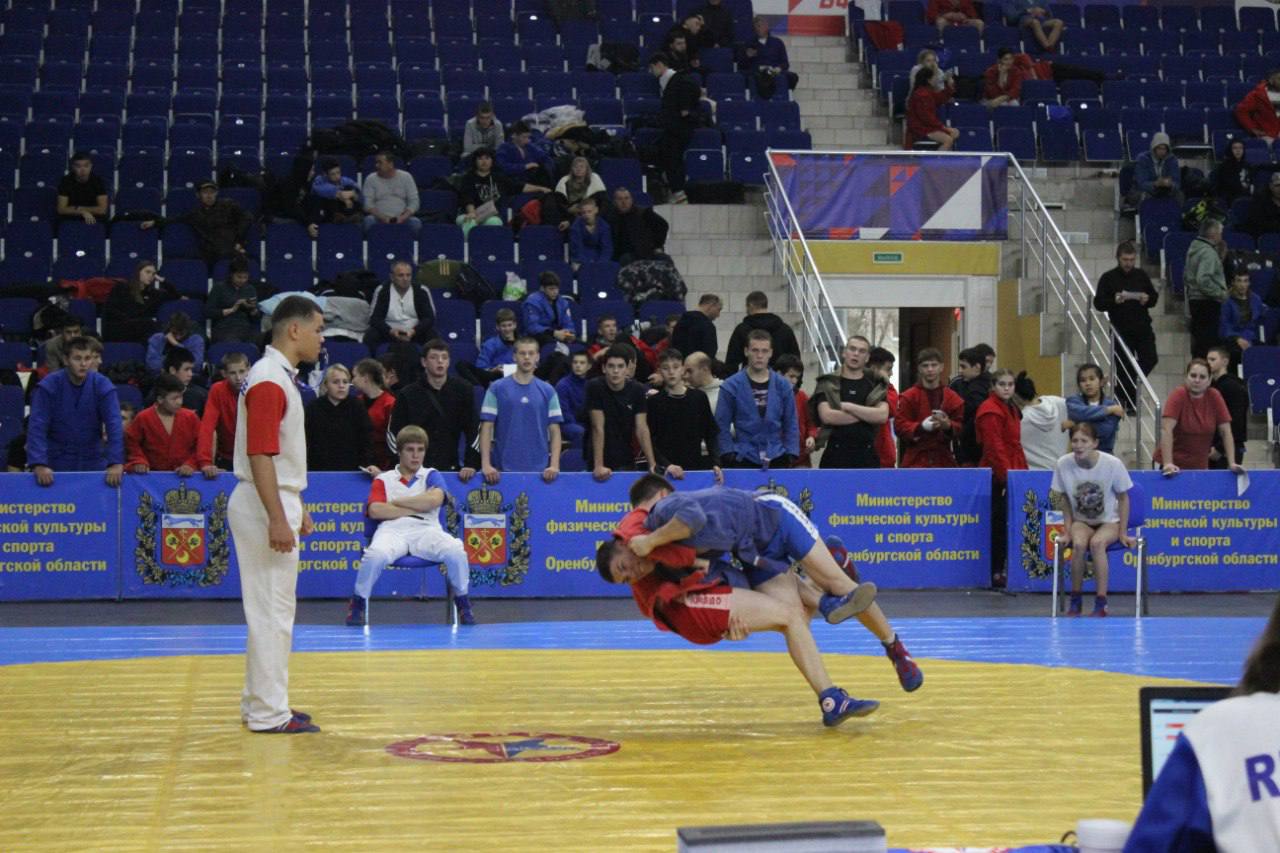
x=267, y=515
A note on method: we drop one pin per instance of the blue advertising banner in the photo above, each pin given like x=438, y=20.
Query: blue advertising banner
x=1200, y=535
x=897, y=196
x=161, y=536
x=60, y=541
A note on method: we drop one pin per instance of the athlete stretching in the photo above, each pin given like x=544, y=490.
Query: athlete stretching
x=766, y=532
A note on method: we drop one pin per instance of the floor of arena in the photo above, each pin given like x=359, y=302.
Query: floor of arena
x=574, y=725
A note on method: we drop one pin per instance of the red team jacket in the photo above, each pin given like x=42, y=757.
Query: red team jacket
x=1000, y=433
x=147, y=443
x=1256, y=114
x=922, y=113
x=220, y=420
x=920, y=448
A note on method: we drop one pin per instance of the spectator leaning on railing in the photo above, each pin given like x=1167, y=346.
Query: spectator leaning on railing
x=164, y=436
x=71, y=409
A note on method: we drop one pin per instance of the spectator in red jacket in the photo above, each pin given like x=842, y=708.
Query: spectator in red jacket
x=1000, y=433
x=880, y=363
x=371, y=381
x=1257, y=111
x=163, y=436
x=791, y=367
x=1002, y=82
x=922, y=113
x=953, y=13
x=219, y=420
x=930, y=415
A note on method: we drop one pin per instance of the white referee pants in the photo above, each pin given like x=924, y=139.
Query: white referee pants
x=428, y=542
x=268, y=586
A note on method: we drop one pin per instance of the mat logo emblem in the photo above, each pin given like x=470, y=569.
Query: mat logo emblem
x=182, y=541
x=502, y=747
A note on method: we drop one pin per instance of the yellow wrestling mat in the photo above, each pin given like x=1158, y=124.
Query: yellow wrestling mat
x=148, y=754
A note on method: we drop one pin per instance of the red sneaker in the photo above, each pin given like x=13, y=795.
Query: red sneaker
x=909, y=674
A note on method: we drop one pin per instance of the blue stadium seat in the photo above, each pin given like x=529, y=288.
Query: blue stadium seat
x=490, y=245
x=15, y=316
x=130, y=243
x=440, y=241
x=1058, y=141
x=748, y=167
x=189, y=276
x=387, y=243
x=540, y=243
x=704, y=165
x=339, y=248
x=597, y=278
x=42, y=170
x=35, y=204
x=438, y=205
x=82, y=241
x=12, y=354
x=793, y=140
x=455, y=320
x=779, y=115
x=1103, y=144
x=974, y=139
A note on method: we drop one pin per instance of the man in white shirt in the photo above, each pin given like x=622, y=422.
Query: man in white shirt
x=402, y=311
x=390, y=196
x=409, y=502
x=267, y=515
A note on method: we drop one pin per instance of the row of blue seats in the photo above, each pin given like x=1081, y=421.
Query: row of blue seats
x=1096, y=41
x=1167, y=16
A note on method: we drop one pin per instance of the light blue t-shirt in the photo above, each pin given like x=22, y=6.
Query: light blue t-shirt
x=521, y=415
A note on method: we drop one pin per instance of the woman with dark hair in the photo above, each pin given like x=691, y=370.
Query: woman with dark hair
x=1092, y=406
x=922, y=113
x=1192, y=414
x=1000, y=434
x=559, y=208
x=371, y=381
x=129, y=314
x=1092, y=490
x=1217, y=790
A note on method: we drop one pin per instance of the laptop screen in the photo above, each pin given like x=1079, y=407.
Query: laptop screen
x=1164, y=712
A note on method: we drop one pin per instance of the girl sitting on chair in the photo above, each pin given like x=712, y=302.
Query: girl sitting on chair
x=1092, y=490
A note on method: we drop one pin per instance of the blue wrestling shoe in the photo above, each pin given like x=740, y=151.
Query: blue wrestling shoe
x=840, y=554
x=1076, y=605
x=357, y=612
x=837, y=608
x=295, y=726
x=838, y=706
x=465, y=616
x=909, y=674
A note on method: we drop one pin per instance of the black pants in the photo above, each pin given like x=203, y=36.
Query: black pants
x=1142, y=343
x=670, y=154
x=1205, y=316
x=850, y=456
x=999, y=534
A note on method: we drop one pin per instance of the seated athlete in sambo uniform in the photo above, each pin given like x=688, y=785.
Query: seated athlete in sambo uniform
x=701, y=605
x=766, y=532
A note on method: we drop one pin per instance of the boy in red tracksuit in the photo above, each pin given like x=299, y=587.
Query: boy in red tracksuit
x=219, y=419
x=1257, y=111
x=880, y=363
x=1000, y=434
x=929, y=417
x=163, y=436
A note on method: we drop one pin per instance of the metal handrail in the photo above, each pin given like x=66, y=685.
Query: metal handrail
x=1044, y=255
x=809, y=295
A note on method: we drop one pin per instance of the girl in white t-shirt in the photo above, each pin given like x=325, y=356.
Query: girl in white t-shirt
x=1095, y=510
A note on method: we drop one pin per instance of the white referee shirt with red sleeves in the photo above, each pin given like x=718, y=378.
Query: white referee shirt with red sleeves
x=270, y=408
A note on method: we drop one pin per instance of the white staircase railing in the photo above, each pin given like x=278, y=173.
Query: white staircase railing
x=823, y=325
x=1045, y=259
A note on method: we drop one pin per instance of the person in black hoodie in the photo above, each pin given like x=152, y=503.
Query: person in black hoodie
x=337, y=426
x=719, y=23
x=443, y=405
x=974, y=386
x=639, y=234
x=758, y=317
x=695, y=331
x=1263, y=216
x=1127, y=296
x=1233, y=178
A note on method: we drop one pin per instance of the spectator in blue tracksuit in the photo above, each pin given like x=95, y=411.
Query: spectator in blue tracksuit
x=548, y=316
x=520, y=159
x=1094, y=406
x=759, y=406
x=70, y=411
x=1242, y=313
x=572, y=390
x=1219, y=790
x=337, y=197
x=590, y=238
